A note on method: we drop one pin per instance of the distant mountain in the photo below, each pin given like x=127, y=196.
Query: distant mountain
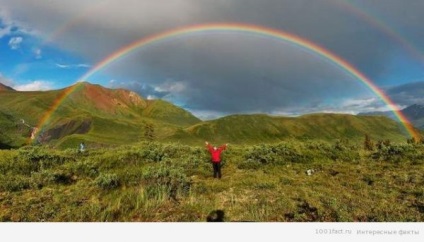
x=100, y=116
x=121, y=102
x=5, y=88
x=414, y=113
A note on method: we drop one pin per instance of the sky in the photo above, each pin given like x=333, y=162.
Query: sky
x=51, y=44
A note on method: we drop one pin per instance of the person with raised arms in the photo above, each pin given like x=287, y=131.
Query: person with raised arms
x=216, y=158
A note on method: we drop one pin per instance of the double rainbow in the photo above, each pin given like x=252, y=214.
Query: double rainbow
x=237, y=28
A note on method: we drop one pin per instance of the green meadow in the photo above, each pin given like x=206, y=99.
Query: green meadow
x=290, y=181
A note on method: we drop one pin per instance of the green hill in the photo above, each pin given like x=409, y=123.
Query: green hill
x=251, y=129
x=167, y=112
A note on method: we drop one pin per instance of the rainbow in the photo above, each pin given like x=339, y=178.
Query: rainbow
x=364, y=15
x=89, y=10
x=237, y=28
x=46, y=118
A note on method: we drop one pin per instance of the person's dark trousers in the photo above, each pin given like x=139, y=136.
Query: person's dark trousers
x=216, y=169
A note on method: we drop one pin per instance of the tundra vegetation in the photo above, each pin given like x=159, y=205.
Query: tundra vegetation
x=290, y=181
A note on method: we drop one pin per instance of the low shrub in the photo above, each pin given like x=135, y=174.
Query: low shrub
x=107, y=181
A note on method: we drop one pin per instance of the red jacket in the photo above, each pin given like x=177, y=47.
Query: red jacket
x=216, y=154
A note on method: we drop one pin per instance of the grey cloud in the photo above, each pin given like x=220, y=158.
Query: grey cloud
x=236, y=74
x=5, y=30
x=408, y=94
x=117, y=23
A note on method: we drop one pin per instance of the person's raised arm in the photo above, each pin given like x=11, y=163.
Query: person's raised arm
x=223, y=147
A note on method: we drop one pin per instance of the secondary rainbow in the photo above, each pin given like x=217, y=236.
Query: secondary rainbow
x=237, y=28
x=373, y=20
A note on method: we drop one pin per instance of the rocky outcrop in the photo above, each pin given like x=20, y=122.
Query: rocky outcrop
x=65, y=129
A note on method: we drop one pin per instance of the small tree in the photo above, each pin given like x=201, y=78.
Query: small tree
x=149, y=132
x=368, y=144
x=381, y=144
x=411, y=140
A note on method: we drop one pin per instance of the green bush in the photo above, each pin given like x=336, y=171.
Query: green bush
x=276, y=154
x=107, y=181
x=85, y=167
x=47, y=177
x=400, y=153
x=14, y=183
x=167, y=178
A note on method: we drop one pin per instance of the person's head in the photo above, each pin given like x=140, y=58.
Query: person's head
x=215, y=148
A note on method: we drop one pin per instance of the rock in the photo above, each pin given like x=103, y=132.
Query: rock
x=310, y=172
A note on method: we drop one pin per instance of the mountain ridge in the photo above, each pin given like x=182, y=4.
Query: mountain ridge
x=414, y=113
x=98, y=115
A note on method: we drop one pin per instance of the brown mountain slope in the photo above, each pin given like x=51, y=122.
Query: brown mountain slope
x=5, y=88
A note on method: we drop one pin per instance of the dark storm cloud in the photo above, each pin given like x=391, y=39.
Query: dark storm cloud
x=231, y=72
x=223, y=73
x=408, y=94
x=99, y=27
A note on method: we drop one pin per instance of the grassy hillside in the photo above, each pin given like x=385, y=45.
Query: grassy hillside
x=252, y=129
x=158, y=182
x=13, y=133
x=93, y=113
x=167, y=112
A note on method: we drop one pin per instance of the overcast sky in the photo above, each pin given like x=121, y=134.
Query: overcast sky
x=50, y=44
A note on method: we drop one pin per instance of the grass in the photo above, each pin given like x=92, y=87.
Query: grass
x=171, y=182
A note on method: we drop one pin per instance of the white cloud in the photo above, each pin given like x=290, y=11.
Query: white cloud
x=171, y=87
x=207, y=114
x=367, y=105
x=15, y=42
x=34, y=86
x=72, y=66
x=347, y=106
x=38, y=53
